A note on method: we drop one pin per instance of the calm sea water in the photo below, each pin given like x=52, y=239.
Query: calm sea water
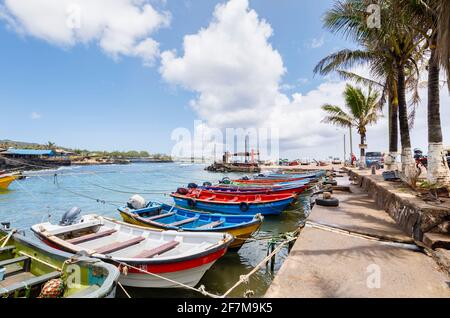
x=42, y=196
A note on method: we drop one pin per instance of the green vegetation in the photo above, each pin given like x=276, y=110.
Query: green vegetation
x=362, y=111
x=5, y=144
x=412, y=38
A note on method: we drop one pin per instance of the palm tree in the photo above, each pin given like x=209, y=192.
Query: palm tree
x=362, y=111
x=396, y=43
x=434, y=16
x=51, y=145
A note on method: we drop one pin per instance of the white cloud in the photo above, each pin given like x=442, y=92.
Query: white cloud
x=231, y=66
x=316, y=43
x=120, y=27
x=35, y=116
x=237, y=75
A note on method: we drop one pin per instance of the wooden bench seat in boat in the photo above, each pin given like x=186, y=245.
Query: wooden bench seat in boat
x=211, y=198
x=233, y=200
x=183, y=222
x=11, y=284
x=14, y=261
x=160, y=216
x=158, y=250
x=90, y=237
x=110, y=248
x=7, y=249
x=211, y=225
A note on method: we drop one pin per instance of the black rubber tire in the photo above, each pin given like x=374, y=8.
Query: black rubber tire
x=226, y=180
x=191, y=203
x=244, y=206
x=245, y=178
x=333, y=183
x=192, y=186
x=207, y=184
x=327, y=202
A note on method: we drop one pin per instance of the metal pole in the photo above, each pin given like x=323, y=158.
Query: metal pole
x=351, y=143
x=345, y=149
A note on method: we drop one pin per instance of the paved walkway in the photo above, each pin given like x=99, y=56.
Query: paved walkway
x=329, y=264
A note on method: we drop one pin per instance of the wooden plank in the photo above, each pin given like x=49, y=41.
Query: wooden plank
x=158, y=250
x=183, y=222
x=30, y=282
x=160, y=216
x=13, y=261
x=119, y=245
x=74, y=227
x=211, y=225
x=7, y=249
x=91, y=237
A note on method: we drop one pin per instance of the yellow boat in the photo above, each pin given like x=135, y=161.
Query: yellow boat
x=6, y=180
x=165, y=217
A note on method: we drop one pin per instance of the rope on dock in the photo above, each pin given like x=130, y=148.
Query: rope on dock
x=245, y=278
x=389, y=241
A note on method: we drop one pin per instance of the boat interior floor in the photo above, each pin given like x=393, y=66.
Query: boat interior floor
x=18, y=279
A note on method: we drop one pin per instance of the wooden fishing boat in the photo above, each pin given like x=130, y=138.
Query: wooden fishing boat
x=175, y=218
x=6, y=180
x=27, y=265
x=269, y=180
x=178, y=256
x=246, y=204
x=294, y=188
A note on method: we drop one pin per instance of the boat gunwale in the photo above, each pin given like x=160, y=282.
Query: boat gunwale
x=221, y=245
x=158, y=225
x=258, y=204
x=112, y=273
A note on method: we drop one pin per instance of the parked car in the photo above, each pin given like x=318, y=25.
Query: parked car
x=375, y=159
x=336, y=161
x=305, y=162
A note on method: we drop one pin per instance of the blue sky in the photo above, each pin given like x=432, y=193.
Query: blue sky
x=80, y=94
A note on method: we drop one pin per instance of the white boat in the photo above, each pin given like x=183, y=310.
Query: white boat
x=178, y=256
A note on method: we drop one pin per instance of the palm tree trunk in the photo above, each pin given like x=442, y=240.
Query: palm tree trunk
x=391, y=159
x=438, y=171
x=408, y=166
x=362, y=157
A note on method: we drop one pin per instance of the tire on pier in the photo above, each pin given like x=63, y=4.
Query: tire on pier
x=333, y=202
x=192, y=186
x=330, y=182
x=207, y=184
x=244, y=206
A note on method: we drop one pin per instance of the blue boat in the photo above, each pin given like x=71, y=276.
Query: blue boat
x=240, y=204
x=167, y=217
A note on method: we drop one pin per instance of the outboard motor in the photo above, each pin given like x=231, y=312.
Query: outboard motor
x=70, y=217
x=136, y=202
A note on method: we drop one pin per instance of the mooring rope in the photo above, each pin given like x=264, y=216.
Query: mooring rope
x=291, y=236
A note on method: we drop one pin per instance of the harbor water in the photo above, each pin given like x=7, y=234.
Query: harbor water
x=101, y=189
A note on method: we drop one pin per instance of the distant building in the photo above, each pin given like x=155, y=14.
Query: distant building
x=28, y=153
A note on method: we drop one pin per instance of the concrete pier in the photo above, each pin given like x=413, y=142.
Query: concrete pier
x=330, y=263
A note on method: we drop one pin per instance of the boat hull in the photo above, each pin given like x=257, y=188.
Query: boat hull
x=188, y=273
x=193, y=264
x=272, y=208
x=6, y=181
